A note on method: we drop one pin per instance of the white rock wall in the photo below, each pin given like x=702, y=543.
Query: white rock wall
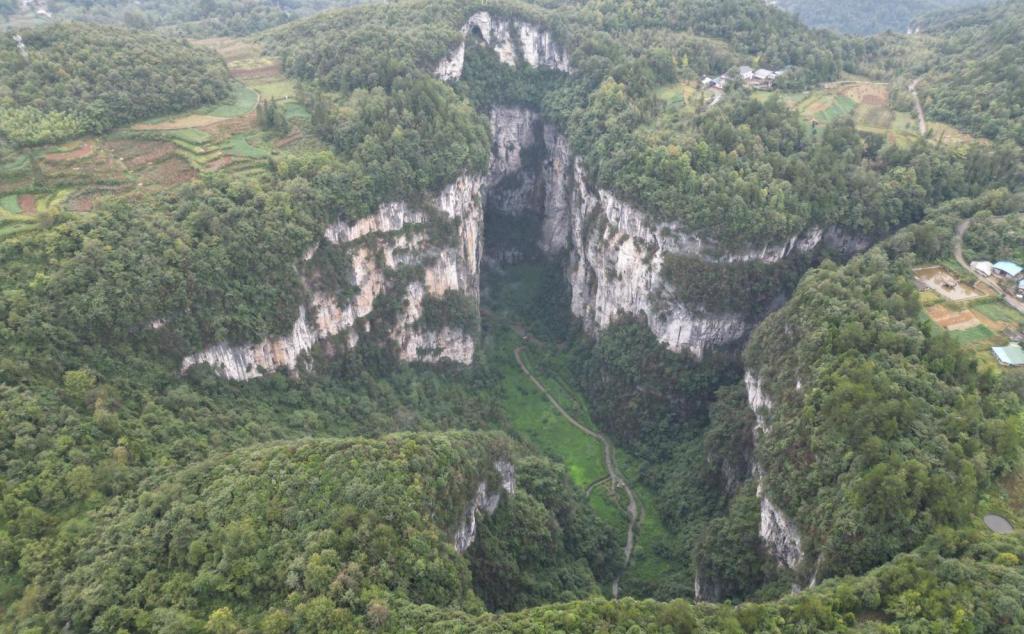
x=484, y=504
x=778, y=532
x=513, y=40
x=387, y=247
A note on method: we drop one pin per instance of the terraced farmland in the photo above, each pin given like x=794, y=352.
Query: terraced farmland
x=158, y=153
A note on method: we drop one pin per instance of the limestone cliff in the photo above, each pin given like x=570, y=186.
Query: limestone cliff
x=377, y=246
x=780, y=535
x=484, y=503
x=536, y=200
x=513, y=40
x=616, y=255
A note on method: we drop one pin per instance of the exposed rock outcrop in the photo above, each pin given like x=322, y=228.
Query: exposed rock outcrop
x=484, y=504
x=777, y=530
x=379, y=244
x=616, y=254
x=513, y=40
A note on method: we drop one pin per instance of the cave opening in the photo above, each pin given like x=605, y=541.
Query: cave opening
x=525, y=228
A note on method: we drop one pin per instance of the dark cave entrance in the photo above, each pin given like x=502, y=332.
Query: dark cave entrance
x=516, y=203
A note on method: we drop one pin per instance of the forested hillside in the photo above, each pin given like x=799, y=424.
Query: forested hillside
x=73, y=79
x=194, y=18
x=975, y=70
x=304, y=535
x=873, y=382
x=863, y=17
x=669, y=370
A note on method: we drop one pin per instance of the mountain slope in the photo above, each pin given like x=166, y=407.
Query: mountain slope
x=863, y=17
x=71, y=79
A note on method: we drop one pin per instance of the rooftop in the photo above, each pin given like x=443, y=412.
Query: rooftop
x=1009, y=355
x=1008, y=267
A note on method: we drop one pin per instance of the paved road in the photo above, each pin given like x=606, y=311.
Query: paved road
x=921, y=124
x=958, y=253
x=609, y=463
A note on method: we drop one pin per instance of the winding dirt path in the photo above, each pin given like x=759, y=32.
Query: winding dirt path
x=921, y=123
x=609, y=462
x=590, y=487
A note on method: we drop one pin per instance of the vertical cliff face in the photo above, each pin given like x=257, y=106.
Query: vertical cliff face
x=484, y=504
x=377, y=246
x=539, y=203
x=780, y=535
x=513, y=40
x=616, y=254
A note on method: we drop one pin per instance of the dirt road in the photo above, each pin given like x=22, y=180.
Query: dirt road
x=958, y=253
x=921, y=124
x=609, y=462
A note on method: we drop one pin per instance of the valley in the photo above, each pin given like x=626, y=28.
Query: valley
x=518, y=316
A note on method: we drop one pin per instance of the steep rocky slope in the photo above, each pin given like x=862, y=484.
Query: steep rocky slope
x=536, y=200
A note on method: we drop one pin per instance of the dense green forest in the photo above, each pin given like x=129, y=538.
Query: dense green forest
x=312, y=532
x=972, y=69
x=136, y=498
x=194, y=18
x=754, y=159
x=874, y=382
x=862, y=17
x=75, y=79
x=996, y=237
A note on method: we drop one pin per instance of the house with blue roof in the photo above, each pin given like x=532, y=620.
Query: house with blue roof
x=1011, y=355
x=1006, y=269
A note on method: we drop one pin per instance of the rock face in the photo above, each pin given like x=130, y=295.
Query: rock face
x=513, y=40
x=779, y=533
x=484, y=504
x=539, y=202
x=616, y=255
x=378, y=245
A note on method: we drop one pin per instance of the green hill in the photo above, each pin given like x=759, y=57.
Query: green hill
x=863, y=17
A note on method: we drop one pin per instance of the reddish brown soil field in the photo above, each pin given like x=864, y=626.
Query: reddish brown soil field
x=85, y=150
x=27, y=202
x=220, y=163
x=270, y=71
x=173, y=171
x=140, y=153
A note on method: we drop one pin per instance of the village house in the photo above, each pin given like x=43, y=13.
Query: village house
x=1006, y=270
x=763, y=78
x=1011, y=355
x=982, y=267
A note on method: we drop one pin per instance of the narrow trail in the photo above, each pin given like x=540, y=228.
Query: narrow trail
x=609, y=462
x=921, y=123
x=595, y=483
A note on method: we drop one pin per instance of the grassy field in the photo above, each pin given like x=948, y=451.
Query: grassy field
x=9, y=203
x=972, y=335
x=997, y=310
x=275, y=88
x=238, y=145
x=242, y=102
x=532, y=417
x=679, y=95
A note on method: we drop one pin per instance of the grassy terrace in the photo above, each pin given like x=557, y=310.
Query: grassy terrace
x=533, y=419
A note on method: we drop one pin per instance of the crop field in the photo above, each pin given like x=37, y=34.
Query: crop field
x=9, y=203
x=976, y=325
x=679, y=95
x=868, y=103
x=159, y=153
